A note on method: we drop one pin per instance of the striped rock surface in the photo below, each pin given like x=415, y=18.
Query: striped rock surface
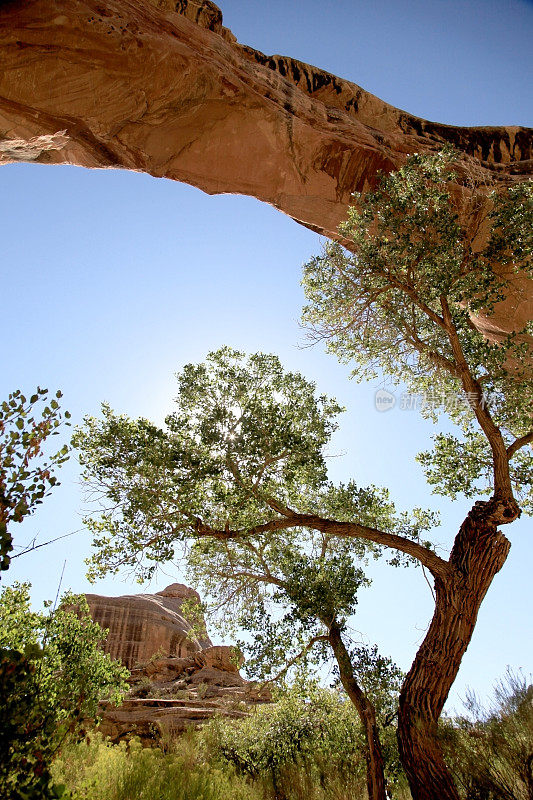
x=143, y=625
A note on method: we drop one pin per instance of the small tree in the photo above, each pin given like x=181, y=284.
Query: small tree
x=240, y=471
x=53, y=673
x=293, y=596
x=25, y=474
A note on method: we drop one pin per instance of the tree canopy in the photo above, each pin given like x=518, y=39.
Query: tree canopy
x=243, y=453
x=400, y=297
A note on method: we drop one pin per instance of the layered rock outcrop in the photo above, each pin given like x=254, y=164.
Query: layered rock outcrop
x=143, y=625
x=177, y=679
x=170, y=695
x=160, y=86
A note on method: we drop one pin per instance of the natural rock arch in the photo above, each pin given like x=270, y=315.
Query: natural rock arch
x=162, y=87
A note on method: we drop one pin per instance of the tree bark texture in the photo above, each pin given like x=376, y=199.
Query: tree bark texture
x=479, y=552
x=375, y=775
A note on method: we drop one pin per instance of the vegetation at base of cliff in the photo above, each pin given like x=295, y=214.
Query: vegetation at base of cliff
x=53, y=673
x=310, y=737
x=193, y=769
x=298, y=749
x=97, y=770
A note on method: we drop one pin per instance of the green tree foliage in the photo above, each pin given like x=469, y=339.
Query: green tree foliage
x=240, y=471
x=244, y=453
x=53, y=674
x=400, y=300
x=239, y=474
x=25, y=473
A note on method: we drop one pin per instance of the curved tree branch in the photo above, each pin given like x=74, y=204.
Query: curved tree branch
x=438, y=567
x=522, y=441
x=502, y=479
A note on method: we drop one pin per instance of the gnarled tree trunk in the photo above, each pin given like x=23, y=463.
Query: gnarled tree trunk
x=479, y=552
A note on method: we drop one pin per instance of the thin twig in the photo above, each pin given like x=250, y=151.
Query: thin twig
x=44, y=544
x=59, y=584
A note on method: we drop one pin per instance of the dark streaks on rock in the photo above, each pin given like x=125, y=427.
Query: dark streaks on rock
x=179, y=97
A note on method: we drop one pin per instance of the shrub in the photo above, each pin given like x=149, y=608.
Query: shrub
x=308, y=744
x=52, y=676
x=491, y=751
x=97, y=770
x=27, y=737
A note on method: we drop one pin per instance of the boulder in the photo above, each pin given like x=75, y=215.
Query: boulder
x=216, y=677
x=222, y=657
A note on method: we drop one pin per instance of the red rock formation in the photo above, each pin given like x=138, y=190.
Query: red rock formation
x=154, y=719
x=176, y=682
x=143, y=625
x=223, y=658
x=162, y=87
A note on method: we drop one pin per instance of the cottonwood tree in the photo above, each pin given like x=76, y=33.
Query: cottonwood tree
x=400, y=299
x=240, y=472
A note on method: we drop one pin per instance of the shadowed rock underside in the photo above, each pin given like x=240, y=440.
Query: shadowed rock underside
x=162, y=87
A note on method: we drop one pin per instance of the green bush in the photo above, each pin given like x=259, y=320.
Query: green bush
x=490, y=752
x=27, y=737
x=53, y=673
x=309, y=744
x=97, y=770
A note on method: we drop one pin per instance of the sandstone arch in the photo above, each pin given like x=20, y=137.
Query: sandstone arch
x=162, y=87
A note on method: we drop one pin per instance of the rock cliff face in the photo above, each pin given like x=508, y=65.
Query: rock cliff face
x=143, y=625
x=162, y=87
x=176, y=682
x=170, y=695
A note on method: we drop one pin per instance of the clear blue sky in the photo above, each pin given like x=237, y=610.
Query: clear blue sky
x=113, y=280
